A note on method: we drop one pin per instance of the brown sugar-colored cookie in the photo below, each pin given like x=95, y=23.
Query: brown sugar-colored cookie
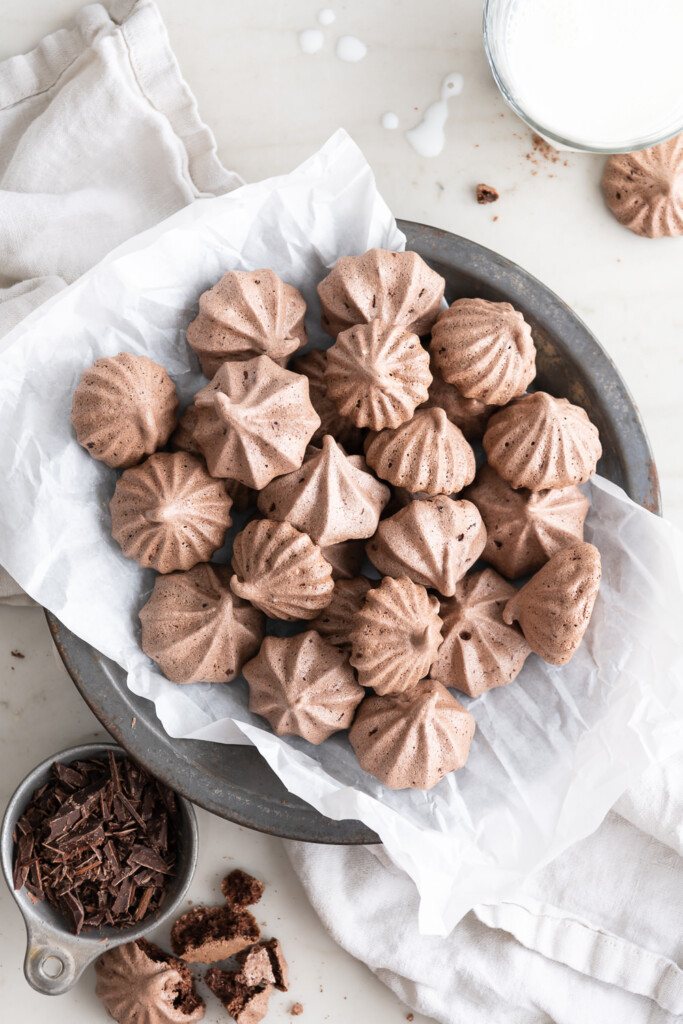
x=124, y=408
x=248, y=313
x=313, y=365
x=644, y=190
x=411, y=740
x=395, y=636
x=485, y=349
x=433, y=542
x=138, y=983
x=428, y=453
x=280, y=570
x=241, y=889
x=396, y=287
x=168, y=513
x=196, y=629
x=524, y=528
x=469, y=414
x=479, y=650
x=540, y=442
x=209, y=934
x=334, y=622
x=555, y=606
x=245, y=1005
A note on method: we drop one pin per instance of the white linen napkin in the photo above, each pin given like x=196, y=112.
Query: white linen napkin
x=99, y=139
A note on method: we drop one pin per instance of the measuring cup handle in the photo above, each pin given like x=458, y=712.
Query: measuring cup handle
x=52, y=963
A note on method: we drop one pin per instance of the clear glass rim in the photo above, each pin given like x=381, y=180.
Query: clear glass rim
x=548, y=133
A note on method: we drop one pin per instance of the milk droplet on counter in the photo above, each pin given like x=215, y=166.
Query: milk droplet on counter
x=351, y=49
x=428, y=137
x=326, y=16
x=390, y=121
x=311, y=40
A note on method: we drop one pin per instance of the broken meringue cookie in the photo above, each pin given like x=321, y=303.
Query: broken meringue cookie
x=139, y=982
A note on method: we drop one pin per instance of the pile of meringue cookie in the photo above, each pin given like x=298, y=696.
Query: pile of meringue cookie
x=359, y=450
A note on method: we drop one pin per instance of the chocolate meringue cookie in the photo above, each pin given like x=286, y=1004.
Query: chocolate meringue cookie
x=140, y=984
x=169, y=513
x=196, y=629
x=254, y=421
x=313, y=365
x=541, y=442
x=479, y=650
x=555, y=606
x=335, y=621
x=411, y=740
x=469, y=414
x=245, y=1004
x=524, y=528
x=346, y=558
x=182, y=438
x=428, y=453
x=280, y=570
x=433, y=542
x=248, y=313
x=206, y=935
x=396, y=287
x=303, y=685
x=644, y=190
x=124, y=408
x=377, y=374
x=395, y=636
x=331, y=497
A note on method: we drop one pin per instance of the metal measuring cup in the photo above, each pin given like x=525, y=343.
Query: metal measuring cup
x=55, y=958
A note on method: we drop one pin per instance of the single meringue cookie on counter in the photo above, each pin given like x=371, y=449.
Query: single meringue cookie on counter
x=485, y=349
x=280, y=570
x=124, y=408
x=254, y=421
x=334, y=622
x=196, y=629
x=396, y=287
x=524, y=528
x=433, y=542
x=555, y=606
x=644, y=190
x=412, y=740
x=303, y=685
x=377, y=374
x=479, y=650
x=540, y=442
x=313, y=365
x=248, y=313
x=469, y=414
x=428, y=453
x=168, y=513
x=332, y=498
x=138, y=983
x=395, y=636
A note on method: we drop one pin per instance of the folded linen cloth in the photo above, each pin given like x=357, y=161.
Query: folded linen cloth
x=99, y=139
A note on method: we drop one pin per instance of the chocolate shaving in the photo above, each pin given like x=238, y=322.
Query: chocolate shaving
x=98, y=842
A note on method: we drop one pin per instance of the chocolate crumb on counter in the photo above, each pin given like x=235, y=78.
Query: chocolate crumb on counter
x=487, y=194
x=410, y=1016
x=296, y=1010
x=17, y=654
x=241, y=889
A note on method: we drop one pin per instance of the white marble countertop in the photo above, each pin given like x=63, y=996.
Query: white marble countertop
x=550, y=219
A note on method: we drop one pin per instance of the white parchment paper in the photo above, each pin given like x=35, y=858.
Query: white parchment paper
x=552, y=751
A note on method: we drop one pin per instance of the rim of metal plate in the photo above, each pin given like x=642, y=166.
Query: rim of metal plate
x=235, y=782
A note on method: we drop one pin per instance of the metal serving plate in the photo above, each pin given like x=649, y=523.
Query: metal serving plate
x=234, y=781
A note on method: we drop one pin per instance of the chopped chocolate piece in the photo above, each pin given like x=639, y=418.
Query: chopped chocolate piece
x=296, y=1010
x=140, y=982
x=17, y=654
x=208, y=934
x=241, y=889
x=487, y=194
x=245, y=1005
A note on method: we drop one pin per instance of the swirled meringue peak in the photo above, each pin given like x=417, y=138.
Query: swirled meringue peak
x=485, y=349
x=254, y=421
x=541, y=442
x=140, y=984
x=644, y=190
x=395, y=636
x=196, y=629
x=124, y=408
x=331, y=497
x=428, y=453
x=555, y=606
x=469, y=414
x=169, y=513
x=248, y=313
x=396, y=287
x=335, y=621
x=280, y=570
x=411, y=740
x=313, y=364
x=433, y=542
x=303, y=685
x=524, y=528
x=479, y=650
x=377, y=374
